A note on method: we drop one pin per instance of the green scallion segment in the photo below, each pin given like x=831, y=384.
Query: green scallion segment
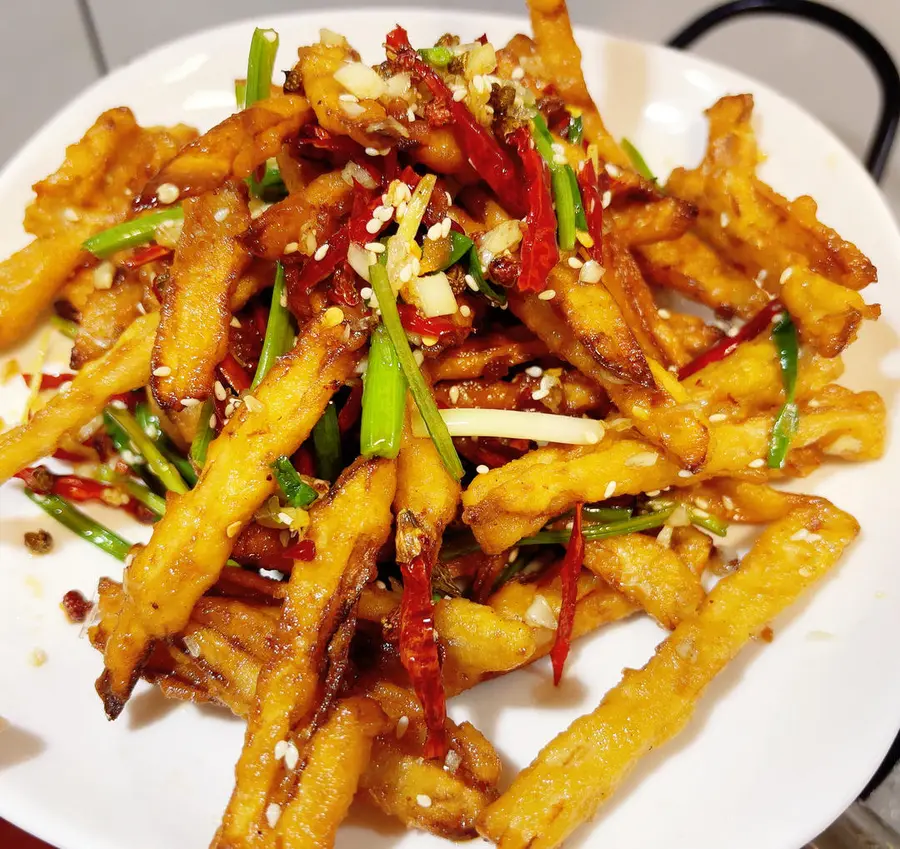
x=638, y=161
x=296, y=491
x=574, y=130
x=271, y=187
x=437, y=57
x=261, y=61
x=605, y=514
x=82, y=524
x=580, y=217
x=460, y=245
x=495, y=296
x=326, y=437
x=784, y=337
x=240, y=93
x=278, y=331
x=384, y=399
x=565, y=189
x=206, y=432
x=159, y=465
x=64, y=326
x=132, y=233
x=713, y=524
x=150, y=424
x=137, y=490
x=417, y=385
x=602, y=531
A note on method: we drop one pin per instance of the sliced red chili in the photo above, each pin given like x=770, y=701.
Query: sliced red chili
x=304, y=462
x=352, y=409
x=304, y=549
x=593, y=208
x=148, y=254
x=727, y=345
x=415, y=322
x=234, y=373
x=493, y=164
x=568, y=575
x=539, y=252
x=49, y=381
x=419, y=654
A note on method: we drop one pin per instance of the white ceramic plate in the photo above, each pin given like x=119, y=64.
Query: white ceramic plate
x=784, y=739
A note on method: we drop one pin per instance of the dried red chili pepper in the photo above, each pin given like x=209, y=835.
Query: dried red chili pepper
x=49, y=381
x=352, y=409
x=234, y=373
x=304, y=549
x=419, y=654
x=304, y=462
x=493, y=164
x=148, y=254
x=593, y=208
x=726, y=346
x=569, y=579
x=414, y=322
x=539, y=252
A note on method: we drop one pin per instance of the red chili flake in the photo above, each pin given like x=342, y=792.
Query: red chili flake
x=39, y=479
x=76, y=606
x=68, y=456
x=569, y=579
x=234, y=373
x=49, y=381
x=726, y=346
x=505, y=271
x=419, y=653
x=303, y=462
x=315, y=138
x=352, y=409
x=304, y=549
x=593, y=208
x=539, y=253
x=414, y=322
x=482, y=39
x=148, y=254
x=493, y=164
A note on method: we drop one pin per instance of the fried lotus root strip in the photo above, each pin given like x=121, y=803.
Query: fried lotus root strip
x=561, y=58
x=348, y=527
x=233, y=148
x=105, y=316
x=751, y=223
x=648, y=575
x=124, y=367
x=337, y=756
x=827, y=314
x=193, y=330
x=457, y=790
x=582, y=767
x=654, y=413
x=511, y=502
x=193, y=540
x=693, y=268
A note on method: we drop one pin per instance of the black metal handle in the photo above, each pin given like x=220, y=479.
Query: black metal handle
x=862, y=39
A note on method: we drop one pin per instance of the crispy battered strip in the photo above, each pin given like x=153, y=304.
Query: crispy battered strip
x=233, y=148
x=690, y=266
x=193, y=540
x=193, y=330
x=105, y=316
x=337, y=756
x=657, y=221
x=491, y=355
x=561, y=58
x=578, y=770
x=654, y=413
x=650, y=576
x=124, y=367
x=305, y=217
x=827, y=314
x=519, y=498
x=348, y=527
x=693, y=547
x=748, y=221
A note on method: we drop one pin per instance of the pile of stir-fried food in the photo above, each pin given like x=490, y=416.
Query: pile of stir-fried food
x=392, y=360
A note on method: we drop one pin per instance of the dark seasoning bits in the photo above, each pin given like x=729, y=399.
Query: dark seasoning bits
x=38, y=542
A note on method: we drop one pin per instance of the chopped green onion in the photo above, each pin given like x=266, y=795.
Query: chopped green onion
x=605, y=514
x=460, y=245
x=383, y=400
x=149, y=422
x=137, y=490
x=638, y=161
x=261, y=61
x=563, y=196
x=206, y=432
x=296, y=491
x=459, y=545
x=64, y=326
x=543, y=140
x=437, y=57
x=602, y=531
x=141, y=443
x=82, y=524
x=118, y=436
x=713, y=524
x=278, y=331
x=129, y=234
x=271, y=187
x=784, y=337
x=417, y=386
x=574, y=130
x=495, y=296
x=326, y=436
x=240, y=93
x=580, y=217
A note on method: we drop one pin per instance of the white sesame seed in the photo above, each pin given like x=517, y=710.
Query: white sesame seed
x=219, y=390
x=446, y=226
x=482, y=469
x=162, y=371
x=653, y=493
x=606, y=200
x=212, y=420
x=727, y=502
x=547, y=295
x=233, y=530
x=664, y=314
x=282, y=298
x=732, y=332
x=540, y=394
x=280, y=749
x=365, y=293
x=373, y=226
x=613, y=170
x=785, y=275
x=402, y=726
x=518, y=73
x=758, y=463
x=320, y=253
x=71, y=215
x=610, y=490
x=235, y=321
x=574, y=262
x=534, y=371
x=465, y=311
x=761, y=277
x=284, y=518
x=452, y=761
x=333, y=316
x=423, y=801
x=718, y=417
x=591, y=272
x=684, y=473
x=434, y=232
x=724, y=220
x=104, y=275
x=375, y=247
x=190, y=402
x=291, y=756
x=347, y=97
x=478, y=84
x=221, y=214
x=371, y=151
x=454, y=394
x=418, y=356
x=383, y=213
x=470, y=282
x=273, y=813
x=459, y=94
x=129, y=559
x=167, y=193
x=410, y=114
x=292, y=247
